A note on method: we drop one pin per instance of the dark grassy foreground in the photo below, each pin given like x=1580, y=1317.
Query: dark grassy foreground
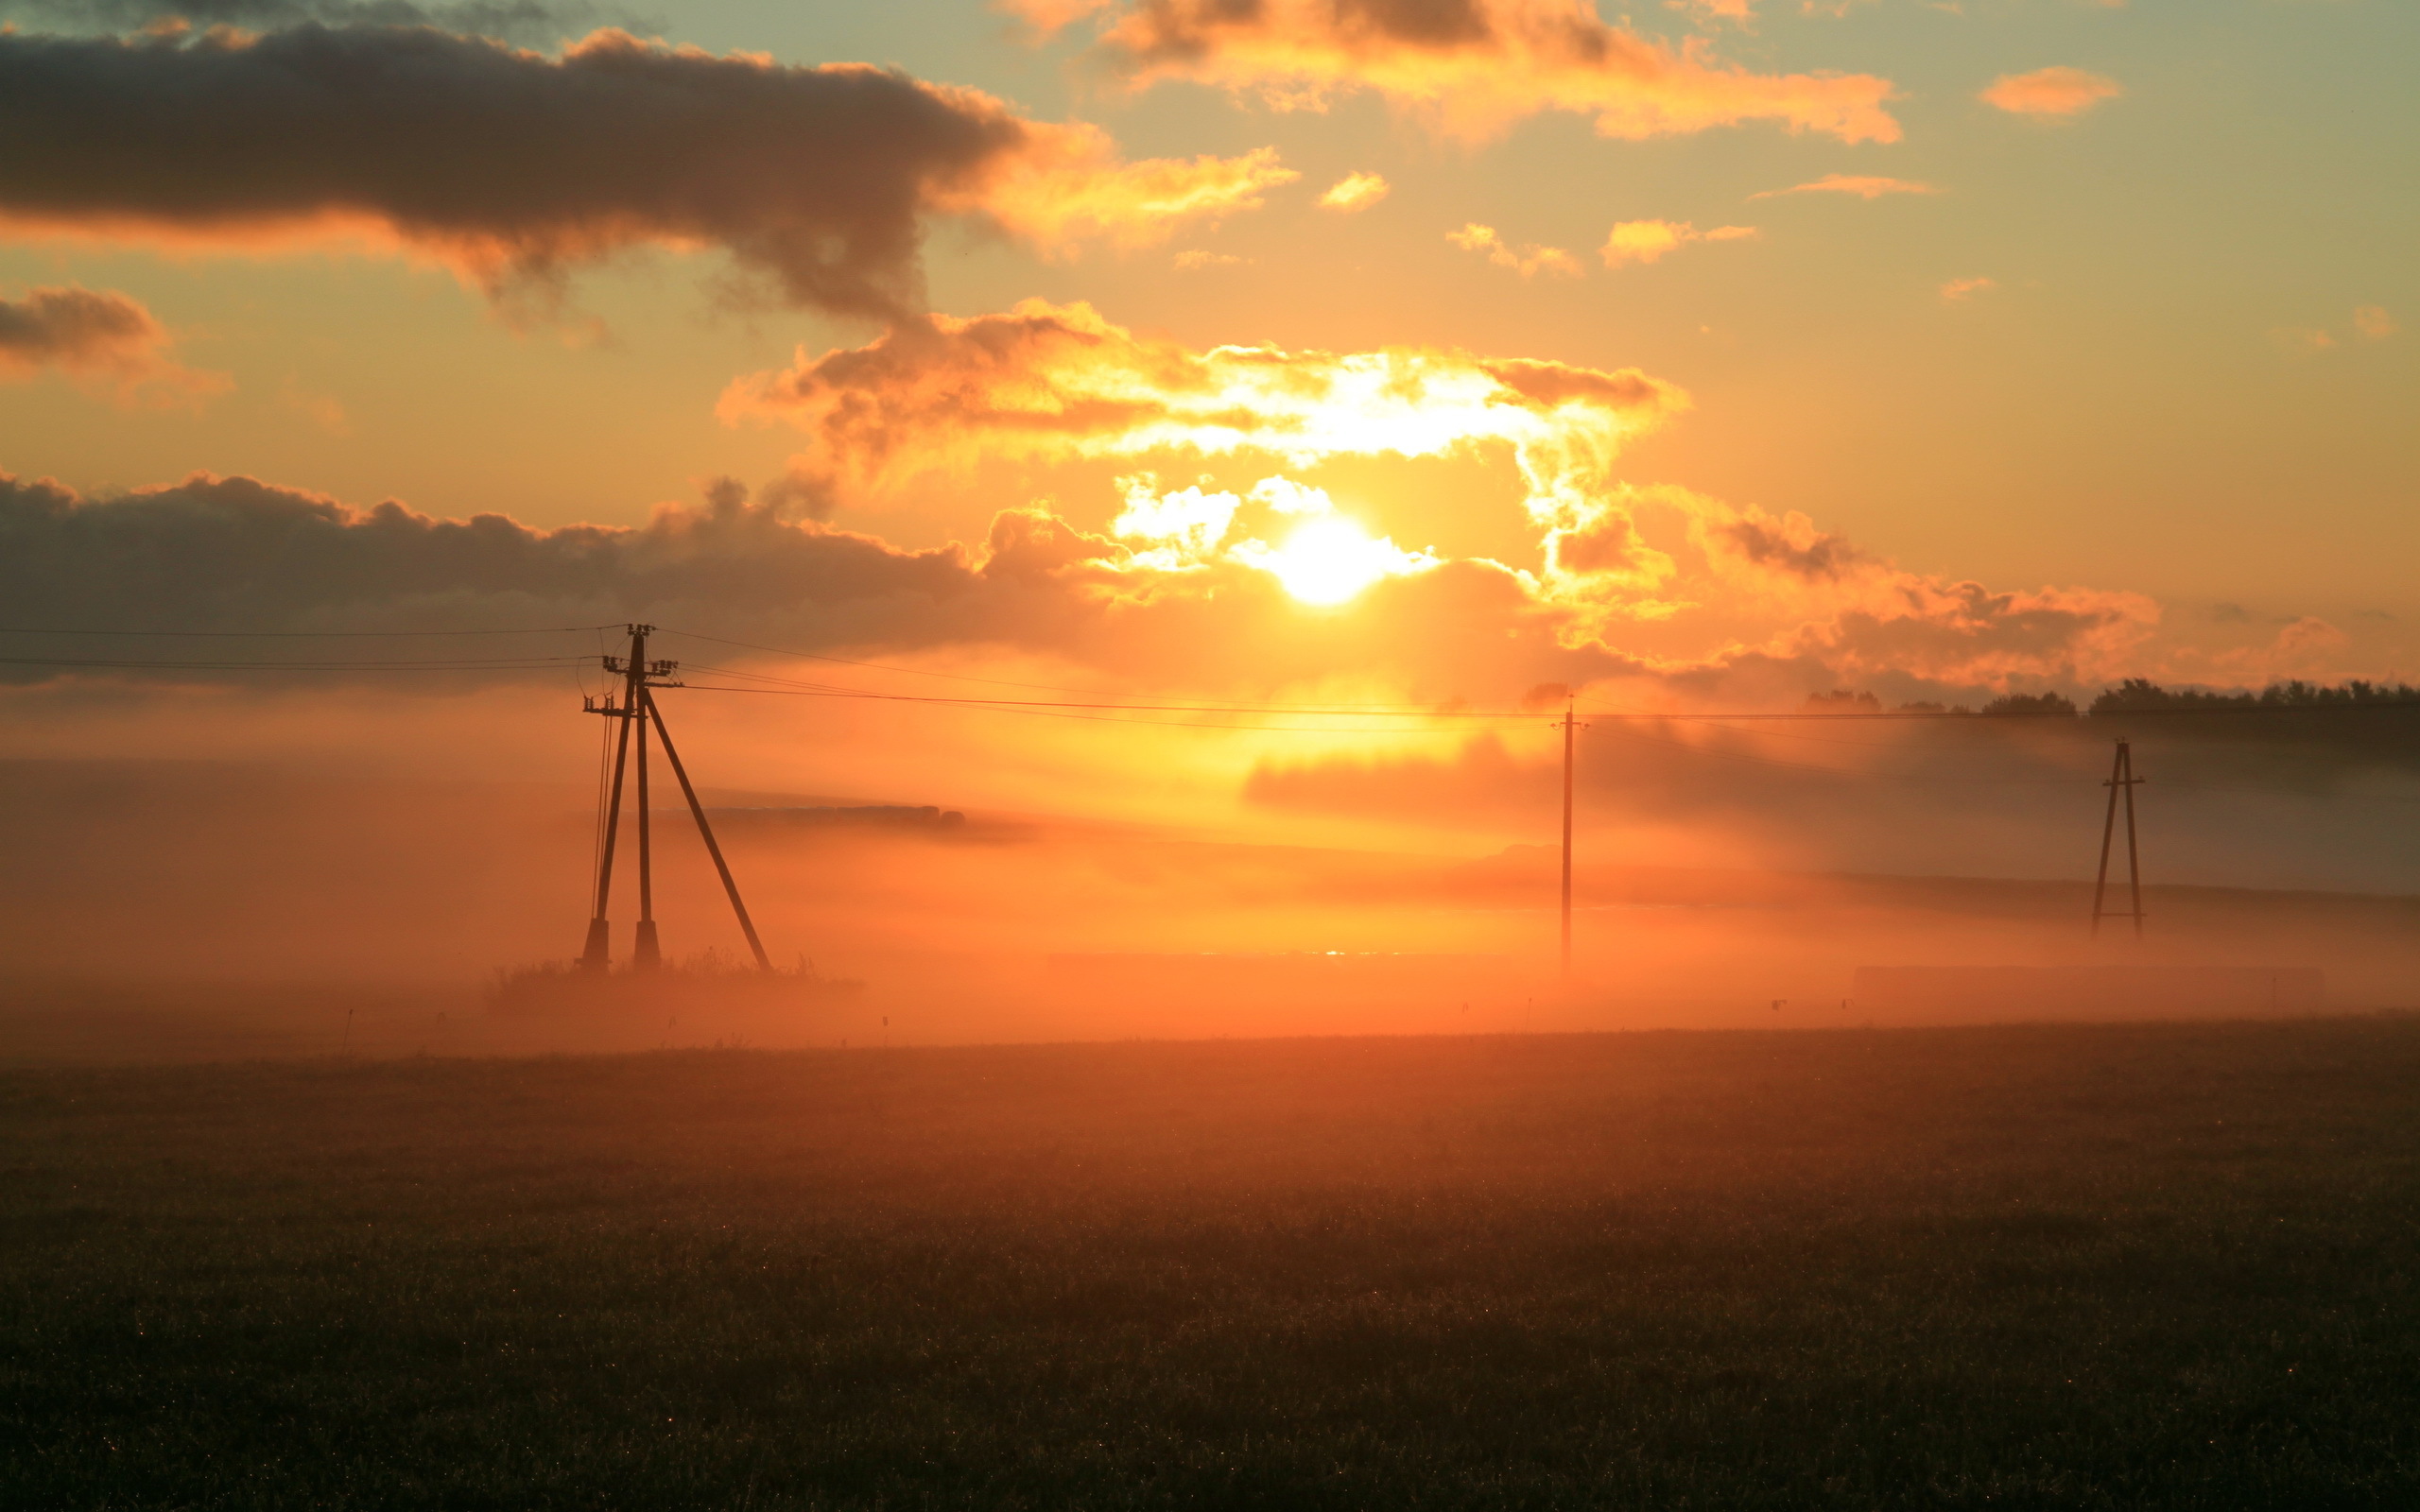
x=2158, y=1266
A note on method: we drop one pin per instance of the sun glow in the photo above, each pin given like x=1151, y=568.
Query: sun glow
x=1329, y=560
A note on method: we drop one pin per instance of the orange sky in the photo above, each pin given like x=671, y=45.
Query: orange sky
x=1383, y=353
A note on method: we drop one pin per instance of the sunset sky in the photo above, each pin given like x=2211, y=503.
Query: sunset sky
x=1709, y=354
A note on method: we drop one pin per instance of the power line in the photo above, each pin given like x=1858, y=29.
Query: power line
x=832, y=691
x=307, y=635
x=1057, y=711
x=428, y=664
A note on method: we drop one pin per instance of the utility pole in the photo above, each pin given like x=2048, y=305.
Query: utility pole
x=638, y=712
x=2122, y=779
x=1569, y=723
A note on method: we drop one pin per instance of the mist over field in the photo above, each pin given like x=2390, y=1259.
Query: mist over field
x=402, y=854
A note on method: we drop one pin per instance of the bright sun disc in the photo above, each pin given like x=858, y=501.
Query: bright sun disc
x=1328, y=561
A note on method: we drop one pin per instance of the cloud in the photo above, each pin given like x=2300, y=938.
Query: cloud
x=2051, y=92
x=1060, y=381
x=1194, y=260
x=525, y=20
x=1962, y=288
x=1527, y=261
x=1472, y=67
x=1355, y=191
x=1862, y=615
x=1865, y=186
x=101, y=335
x=1222, y=610
x=514, y=167
x=1647, y=241
x=1724, y=586
x=2374, y=323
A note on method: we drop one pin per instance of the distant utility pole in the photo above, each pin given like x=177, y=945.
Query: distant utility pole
x=1569, y=722
x=2121, y=779
x=638, y=711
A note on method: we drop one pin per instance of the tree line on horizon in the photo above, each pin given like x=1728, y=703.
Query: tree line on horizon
x=2137, y=696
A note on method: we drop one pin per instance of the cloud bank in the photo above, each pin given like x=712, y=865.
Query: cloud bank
x=1472, y=67
x=514, y=167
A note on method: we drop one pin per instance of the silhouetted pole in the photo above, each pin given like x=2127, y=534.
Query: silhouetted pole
x=598, y=951
x=644, y=956
x=2122, y=779
x=596, y=956
x=1568, y=725
x=697, y=811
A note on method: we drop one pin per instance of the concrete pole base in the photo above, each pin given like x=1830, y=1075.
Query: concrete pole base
x=596, y=955
x=644, y=956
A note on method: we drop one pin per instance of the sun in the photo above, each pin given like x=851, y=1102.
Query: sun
x=1329, y=560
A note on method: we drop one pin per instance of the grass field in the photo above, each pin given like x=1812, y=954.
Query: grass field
x=2139, y=1267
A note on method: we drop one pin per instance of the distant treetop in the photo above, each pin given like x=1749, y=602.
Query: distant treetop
x=2031, y=703
x=2137, y=693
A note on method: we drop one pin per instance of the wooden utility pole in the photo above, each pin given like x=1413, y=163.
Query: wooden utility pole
x=1569, y=723
x=638, y=712
x=2121, y=779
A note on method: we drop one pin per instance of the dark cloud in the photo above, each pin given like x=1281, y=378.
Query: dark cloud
x=1766, y=543
x=96, y=333
x=237, y=554
x=515, y=167
x=520, y=20
x=75, y=327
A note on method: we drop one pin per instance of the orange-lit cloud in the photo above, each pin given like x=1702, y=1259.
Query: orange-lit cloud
x=1527, y=259
x=1865, y=186
x=2051, y=92
x=1647, y=241
x=2374, y=323
x=1864, y=615
x=1044, y=380
x=1048, y=382
x=1355, y=191
x=1964, y=288
x=1187, y=587
x=1472, y=67
x=102, y=336
x=512, y=166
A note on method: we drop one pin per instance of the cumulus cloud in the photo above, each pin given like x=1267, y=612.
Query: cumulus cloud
x=2374, y=323
x=1718, y=582
x=1188, y=586
x=1220, y=610
x=512, y=166
x=1527, y=259
x=2051, y=92
x=1863, y=615
x=98, y=335
x=1060, y=380
x=1472, y=67
x=1647, y=241
x=1963, y=288
x=1355, y=191
x=1865, y=186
